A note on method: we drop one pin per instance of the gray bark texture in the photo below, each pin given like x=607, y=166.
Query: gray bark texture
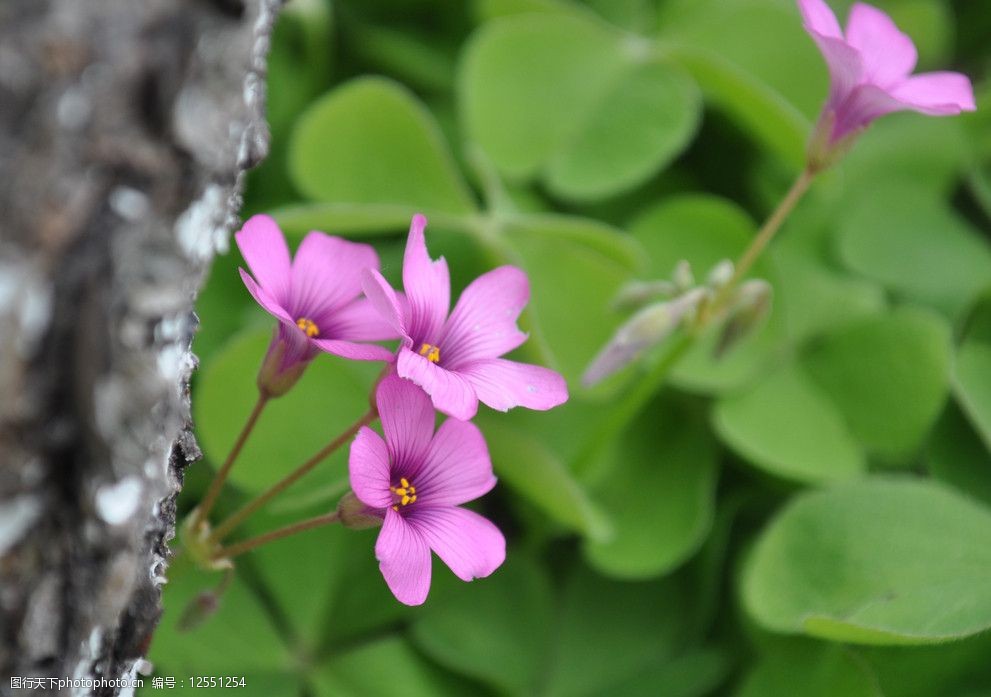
x=126, y=127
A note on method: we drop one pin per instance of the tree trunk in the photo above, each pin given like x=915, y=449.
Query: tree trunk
x=126, y=127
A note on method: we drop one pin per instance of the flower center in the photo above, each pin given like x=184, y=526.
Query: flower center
x=430, y=352
x=308, y=326
x=405, y=493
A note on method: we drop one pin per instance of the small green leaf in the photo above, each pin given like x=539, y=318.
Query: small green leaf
x=658, y=487
x=569, y=99
x=527, y=466
x=370, y=141
x=904, y=237
x=889, y=376
x=645, y=119
x=875, y=561
x=331, y=395
x=972, y=370
x=823, y=670
x=610, y=631
x=957, y=456
x=495, y=629
x=786, y=426
x=384, y=668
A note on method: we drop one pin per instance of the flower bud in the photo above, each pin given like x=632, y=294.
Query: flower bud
x=356, y=515
x=751, y=306
x=683, y=277
x=649, y=327
x=721, y=274
x=636, y=293
x=276, y=375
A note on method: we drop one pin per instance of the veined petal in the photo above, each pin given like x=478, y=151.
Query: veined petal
x=360, y=321
x=503, y=384
x=386, y=301
x=368, y=469
x=937, y=93
x=326, y=275
x=265, y=251
x=457, y=468
x=450, y=392
x=483, y=323
x=265, y=299
x=407, y=420
x=353, y=350
x=888, y=54
x=819, y=18
x=468, y=543
x=866, y=103
x=427, y=285
x=404, y=559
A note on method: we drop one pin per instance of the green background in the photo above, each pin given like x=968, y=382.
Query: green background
x=811, y=515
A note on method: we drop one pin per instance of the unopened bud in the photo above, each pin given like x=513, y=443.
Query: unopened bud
x=751, y=306
x=636, y=293
x=649, y=327
x=356, y=515
x=683, y=277
x=204, y=605
x=275, y=378
x=721, y=274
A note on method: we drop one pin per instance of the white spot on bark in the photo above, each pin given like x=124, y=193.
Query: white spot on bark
x=116, y=503
x=16, y=517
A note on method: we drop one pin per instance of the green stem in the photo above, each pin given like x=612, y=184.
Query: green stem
x=203, y=510
x=251, y=543
x=764, y=236
x=231, y=523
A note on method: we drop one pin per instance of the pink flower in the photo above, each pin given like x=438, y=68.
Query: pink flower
x=416, y=481
x=456, y=358
x=870, y=68
x=315, y=297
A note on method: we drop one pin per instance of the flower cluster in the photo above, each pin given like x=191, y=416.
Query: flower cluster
x=415, y=480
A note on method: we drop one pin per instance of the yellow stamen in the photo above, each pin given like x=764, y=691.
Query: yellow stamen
x=431, y=352
x=406, y=493
x=308, y=326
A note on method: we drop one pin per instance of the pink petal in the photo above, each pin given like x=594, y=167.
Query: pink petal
x=407, y=420
x=265, y=251
x=404, y=559
x=468, y=543
x=450, y=392
x=457, y=468
x=483, y=323
x=385, y=301
x=845, y=67
x=353, y=350
x=326, y=275
x=819, y=18
x=368, y=469
x=937, y=93
x=866, y=103
x=265, y=299
x=888, y=54
x=504, y=384
x=427, y=285
x=360, y=321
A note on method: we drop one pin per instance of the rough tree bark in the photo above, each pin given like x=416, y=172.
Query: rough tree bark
x=125, y=130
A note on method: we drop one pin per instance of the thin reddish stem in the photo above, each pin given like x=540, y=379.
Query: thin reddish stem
x=240, y=516
x=251, y=543
x=203, y=510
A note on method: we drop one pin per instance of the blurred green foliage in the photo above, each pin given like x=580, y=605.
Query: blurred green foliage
x=809, y=516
